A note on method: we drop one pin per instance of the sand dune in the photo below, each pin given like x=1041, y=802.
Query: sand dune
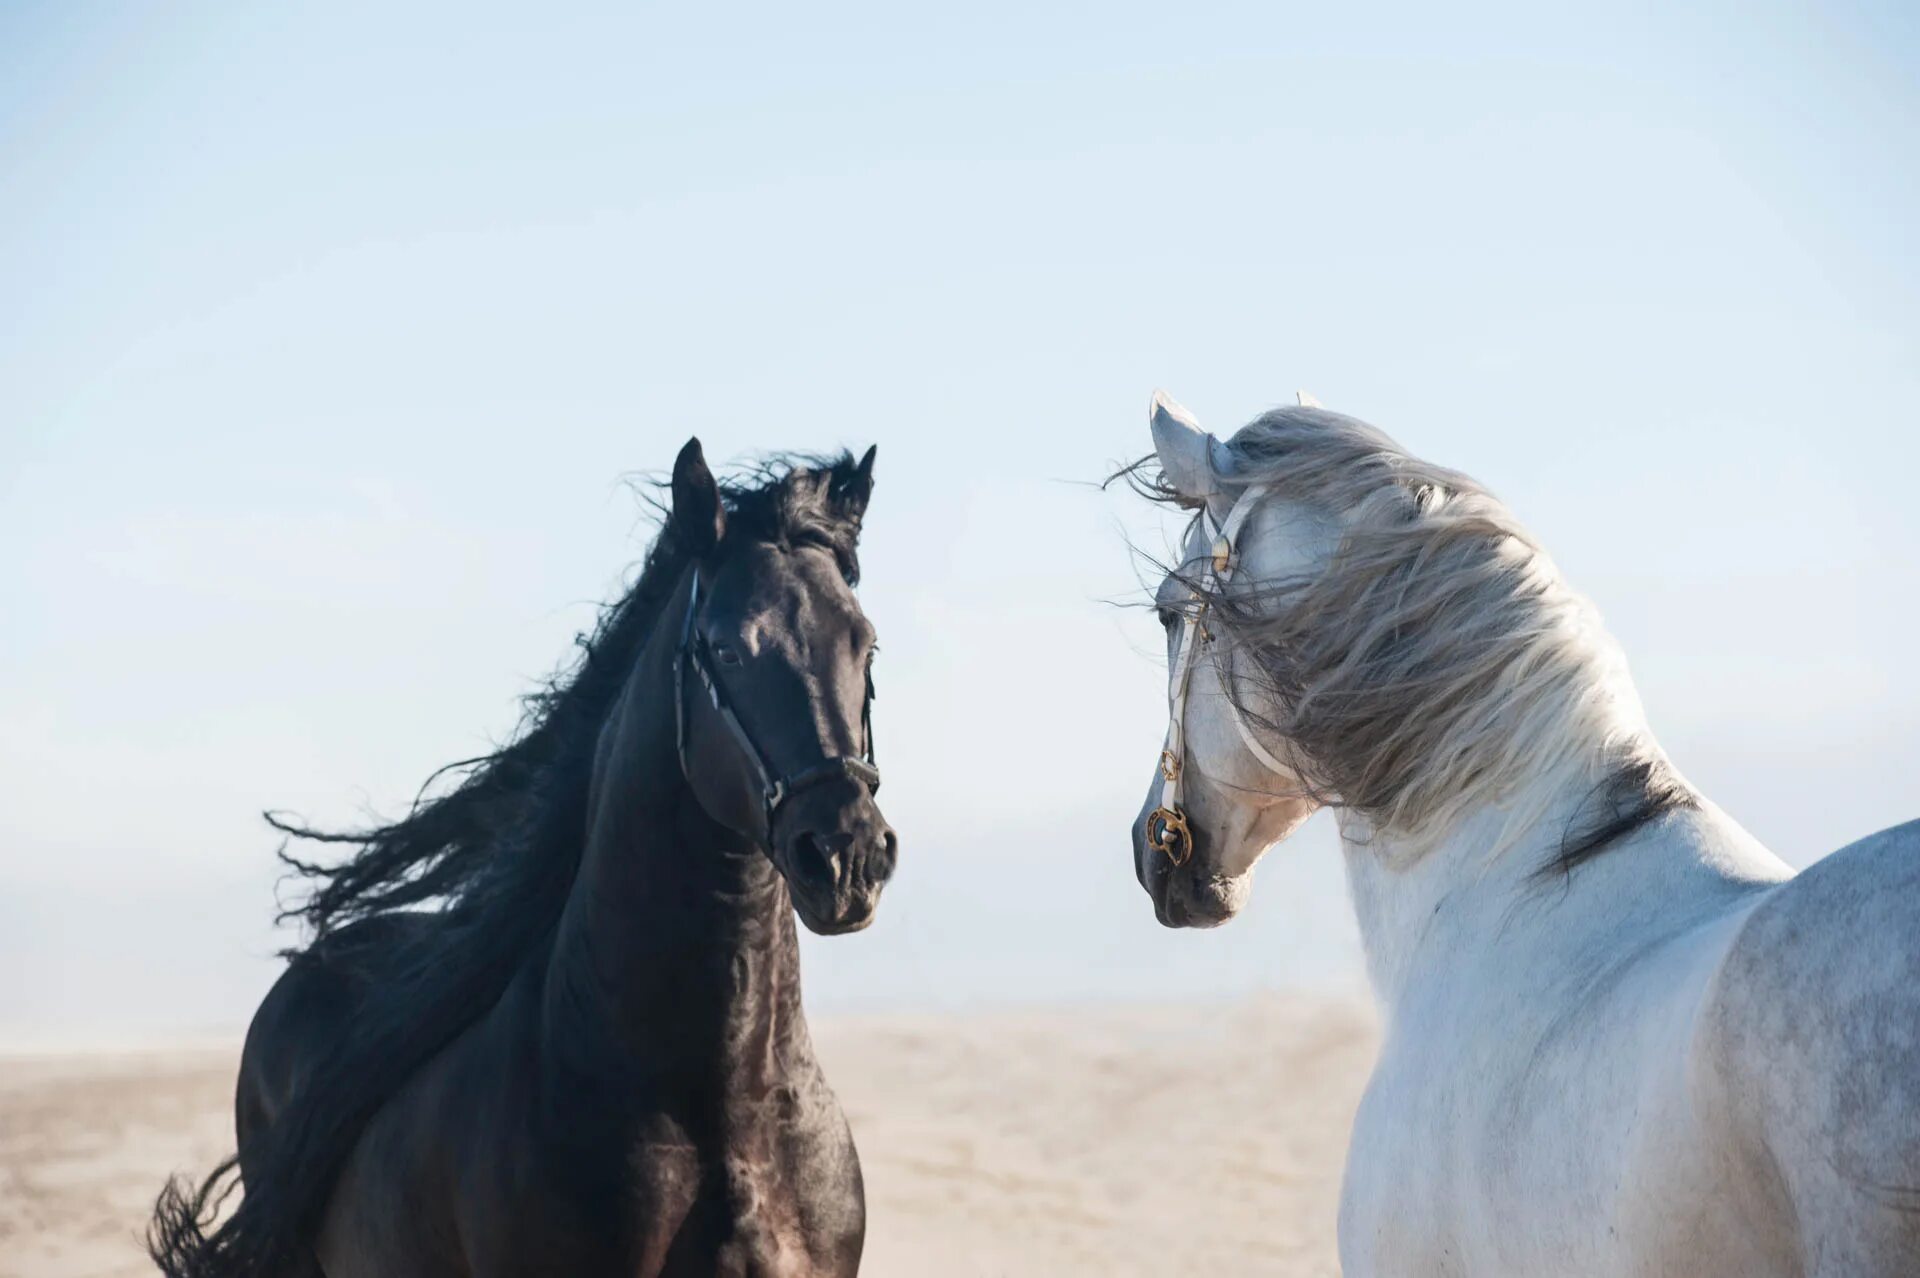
x=1058, y=1142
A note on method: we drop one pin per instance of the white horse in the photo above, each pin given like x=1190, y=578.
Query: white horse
x=1621, y=1036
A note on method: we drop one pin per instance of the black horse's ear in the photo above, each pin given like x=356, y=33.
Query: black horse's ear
x=699, y=516
x=852, y=493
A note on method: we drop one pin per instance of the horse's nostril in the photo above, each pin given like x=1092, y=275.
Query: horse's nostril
x=821, y=851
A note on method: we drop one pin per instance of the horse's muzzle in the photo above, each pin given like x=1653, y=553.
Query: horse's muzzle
x=837, y=853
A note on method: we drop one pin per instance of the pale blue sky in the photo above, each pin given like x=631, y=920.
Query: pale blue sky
x=326, y=338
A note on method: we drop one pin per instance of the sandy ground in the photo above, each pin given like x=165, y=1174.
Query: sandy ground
x=1083, y=1141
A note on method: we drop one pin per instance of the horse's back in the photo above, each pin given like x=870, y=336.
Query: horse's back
x=1813, y=1040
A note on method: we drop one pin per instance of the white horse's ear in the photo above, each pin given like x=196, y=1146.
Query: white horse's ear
x=1307, y=401
x=1192, y=460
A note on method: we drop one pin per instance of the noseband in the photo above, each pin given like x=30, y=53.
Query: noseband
x=1167, y=829
x=774, y=788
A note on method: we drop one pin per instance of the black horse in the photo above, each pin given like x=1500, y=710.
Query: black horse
x=550, y=1023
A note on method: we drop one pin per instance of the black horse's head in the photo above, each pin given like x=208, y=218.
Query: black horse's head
x=774, y=681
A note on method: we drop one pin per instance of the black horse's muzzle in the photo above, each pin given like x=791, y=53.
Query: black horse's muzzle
x=836, y=851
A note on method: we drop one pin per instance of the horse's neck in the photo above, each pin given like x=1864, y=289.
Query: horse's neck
x=676, y=954
x=1474, y=902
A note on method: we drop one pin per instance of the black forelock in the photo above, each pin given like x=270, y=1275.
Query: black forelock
x=796, y=501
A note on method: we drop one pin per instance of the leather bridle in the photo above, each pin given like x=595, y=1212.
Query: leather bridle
x=775, y=790
x=1167, y=829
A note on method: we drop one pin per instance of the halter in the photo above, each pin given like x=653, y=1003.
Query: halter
x=774, y=790
x=1167, y=829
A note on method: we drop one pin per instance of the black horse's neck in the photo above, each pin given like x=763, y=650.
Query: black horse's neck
x=676, y=958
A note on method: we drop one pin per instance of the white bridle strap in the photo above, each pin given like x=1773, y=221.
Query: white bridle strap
x=1218, y=571
x=1173, y=759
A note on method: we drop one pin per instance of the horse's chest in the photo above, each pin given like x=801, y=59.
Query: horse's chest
x=769, y=1217
x=1463, y=1161
x=771, y=1203
x=1495, y=1149
x=1393, y=1217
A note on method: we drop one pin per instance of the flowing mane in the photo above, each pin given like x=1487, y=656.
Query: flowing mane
x=510, y=833
x=493, y=860
x=1439, y=662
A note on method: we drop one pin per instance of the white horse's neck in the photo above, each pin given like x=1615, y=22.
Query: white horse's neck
x=1531, y=760
x=1436, y=913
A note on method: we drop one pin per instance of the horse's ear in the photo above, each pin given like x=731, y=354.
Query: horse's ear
x=699, y=516
x=1191, y=459
x=852, y=493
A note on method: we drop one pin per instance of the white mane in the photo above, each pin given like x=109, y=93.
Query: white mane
x=1438, y=663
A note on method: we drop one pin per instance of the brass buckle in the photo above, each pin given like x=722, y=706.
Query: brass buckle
x=1167, y=834
x=1169, y=765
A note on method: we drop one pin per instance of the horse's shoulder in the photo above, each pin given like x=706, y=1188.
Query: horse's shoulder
x=315, y=1000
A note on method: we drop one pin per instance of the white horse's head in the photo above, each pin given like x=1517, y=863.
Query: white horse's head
x=1230, y=804
x=1350, y=625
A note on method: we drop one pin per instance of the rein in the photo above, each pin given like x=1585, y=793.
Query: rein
x=774, y=788
x=1167, y=829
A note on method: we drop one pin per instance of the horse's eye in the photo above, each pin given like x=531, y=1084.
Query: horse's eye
x=726, y=654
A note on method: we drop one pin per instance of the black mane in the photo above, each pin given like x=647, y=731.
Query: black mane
x=493, y=860
x=512, y=827
x=1633, y=796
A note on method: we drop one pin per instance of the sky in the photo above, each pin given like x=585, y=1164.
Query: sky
x=333, y=339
